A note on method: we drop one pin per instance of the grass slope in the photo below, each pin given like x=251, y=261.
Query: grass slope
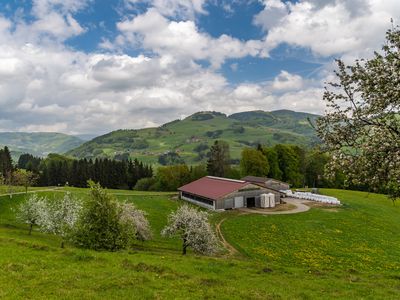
x=38, y=143
x=304, y=257
x=192, y=136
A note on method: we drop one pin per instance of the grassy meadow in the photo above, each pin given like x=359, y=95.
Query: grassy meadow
x=347, y=252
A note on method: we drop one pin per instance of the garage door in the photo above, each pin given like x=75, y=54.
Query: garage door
x=228, y=204
x=239, y=202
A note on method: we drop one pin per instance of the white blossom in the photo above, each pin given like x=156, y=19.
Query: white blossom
x=193, y=228
x=31, y=210
x=60, y=216
x=362, y=126
x=136, y=219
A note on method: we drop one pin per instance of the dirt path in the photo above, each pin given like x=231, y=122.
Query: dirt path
x=300, y=207
x=232, y=250
x=34, y=191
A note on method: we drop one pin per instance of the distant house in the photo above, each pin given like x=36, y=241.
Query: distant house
x=221, y=193
x=268, y=182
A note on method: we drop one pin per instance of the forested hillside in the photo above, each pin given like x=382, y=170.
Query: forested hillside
x=189, y=139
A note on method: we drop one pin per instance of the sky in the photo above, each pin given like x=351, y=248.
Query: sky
x=93, y=66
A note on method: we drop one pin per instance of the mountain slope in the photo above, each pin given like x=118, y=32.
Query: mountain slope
x=191, y=137
x=38, y=143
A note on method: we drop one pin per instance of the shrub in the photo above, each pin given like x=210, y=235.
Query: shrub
x=106, y=224
x=99, y=226
x=146, y=184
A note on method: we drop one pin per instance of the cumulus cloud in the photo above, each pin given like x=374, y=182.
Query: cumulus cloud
x=47, y=86
x=186, y=9
x=332, y=27
x=182, y=39
x=287, y=82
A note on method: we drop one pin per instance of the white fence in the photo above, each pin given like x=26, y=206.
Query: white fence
x=312, y=197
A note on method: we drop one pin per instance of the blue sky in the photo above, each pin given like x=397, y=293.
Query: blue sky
x=92, y=66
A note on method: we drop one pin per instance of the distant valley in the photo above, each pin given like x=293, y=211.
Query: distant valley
x=38, y=143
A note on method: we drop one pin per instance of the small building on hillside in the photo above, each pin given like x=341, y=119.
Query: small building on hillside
x=268, y=183
x=221, y=193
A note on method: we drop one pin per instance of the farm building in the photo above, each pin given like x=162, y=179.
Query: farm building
x=222, y=193
x=268, y=183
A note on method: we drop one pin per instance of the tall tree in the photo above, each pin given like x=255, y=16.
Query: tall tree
x=6, y=164
x=362, y=126
x=219, y=162
x=289, y=164
x=253, y=162
x=273, y=161
x=315, y=168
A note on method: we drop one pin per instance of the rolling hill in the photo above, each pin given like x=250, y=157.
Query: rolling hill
x=192, y=136
x=38, y=143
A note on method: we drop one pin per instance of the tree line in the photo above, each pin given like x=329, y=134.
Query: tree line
x=289, y=163
x=58, y=170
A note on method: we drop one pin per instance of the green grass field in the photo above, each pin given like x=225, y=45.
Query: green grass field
x=347, y=252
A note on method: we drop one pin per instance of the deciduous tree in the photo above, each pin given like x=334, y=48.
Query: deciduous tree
x=60, y=216
x=361, y=128
x=31, y=210
x=24, y=178
x=192, y=226
x=136, y=221
x=254, y=163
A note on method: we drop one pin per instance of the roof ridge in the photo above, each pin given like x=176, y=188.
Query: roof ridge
x=226, y=179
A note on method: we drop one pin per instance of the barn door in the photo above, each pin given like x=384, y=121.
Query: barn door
x=239, y=202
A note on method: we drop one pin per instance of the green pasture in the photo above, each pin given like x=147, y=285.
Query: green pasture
x=326, y=253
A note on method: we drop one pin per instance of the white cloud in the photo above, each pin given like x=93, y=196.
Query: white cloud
x=46, y=86
x=273, y=13
x=287, y=82
x=332, y=27
x=186, y=9
x=183, y=40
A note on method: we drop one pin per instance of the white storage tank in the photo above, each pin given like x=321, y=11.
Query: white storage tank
x=271, y=199
x=264, y=201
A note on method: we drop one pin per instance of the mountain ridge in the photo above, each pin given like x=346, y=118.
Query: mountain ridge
x=191, y=137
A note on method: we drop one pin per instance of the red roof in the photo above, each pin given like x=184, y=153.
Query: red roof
x=213, y=187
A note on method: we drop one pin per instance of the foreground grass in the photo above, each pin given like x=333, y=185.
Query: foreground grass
x=350, y=252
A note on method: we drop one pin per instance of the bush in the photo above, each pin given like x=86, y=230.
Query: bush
x=106, y=224
x=99, y=226
x=146, y=184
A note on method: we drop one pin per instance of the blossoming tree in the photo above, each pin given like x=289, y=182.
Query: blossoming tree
x=192, y=226
x=60, y=216
x=361, y=128
x=32, y=210
x=136, y=220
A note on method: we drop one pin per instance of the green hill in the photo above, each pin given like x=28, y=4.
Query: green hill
x=38, y=143
x=191, y=137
